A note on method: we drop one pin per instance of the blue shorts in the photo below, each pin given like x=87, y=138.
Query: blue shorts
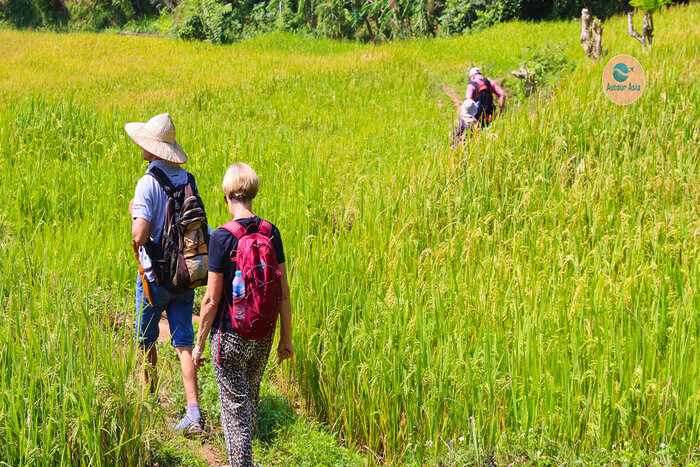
x=178, y=309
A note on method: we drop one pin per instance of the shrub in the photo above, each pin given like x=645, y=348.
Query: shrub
x=546, y=62
x=208, y=20
x=464, y=15
x=36, y=13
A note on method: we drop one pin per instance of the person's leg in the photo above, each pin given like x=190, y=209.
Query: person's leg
x=152, y=358
x=182, y=337
x=232, y=380
x=146, y=328
x=256, y=370
x=189, y=373
x=457, y=133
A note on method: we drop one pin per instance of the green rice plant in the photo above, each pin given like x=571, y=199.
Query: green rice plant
x=533, y=296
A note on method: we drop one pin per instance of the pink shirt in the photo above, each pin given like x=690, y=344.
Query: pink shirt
x=496, y=88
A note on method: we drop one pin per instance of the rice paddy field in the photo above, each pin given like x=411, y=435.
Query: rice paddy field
x=534, y=296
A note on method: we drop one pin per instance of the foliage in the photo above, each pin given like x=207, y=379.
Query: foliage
x=90, y=15
x=544, y=277
x=209, y=20
x=547, y=63
x=24, y=13
x=175, y=452
x=160, y=25
x=649, y=5
x=93, y=15
x=221, y=21
x=465, y=15
x=285, y=438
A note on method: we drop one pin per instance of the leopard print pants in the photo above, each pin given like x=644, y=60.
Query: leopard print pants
x=239, y=369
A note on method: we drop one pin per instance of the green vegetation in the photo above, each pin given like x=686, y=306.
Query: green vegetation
x=534, y=296
x=286, y=438
x=227, y=20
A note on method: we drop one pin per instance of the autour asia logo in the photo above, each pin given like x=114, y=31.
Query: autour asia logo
x=623, y=79
x=621, y=72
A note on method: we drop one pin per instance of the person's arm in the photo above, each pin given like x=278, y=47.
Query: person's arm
x=140, y=209
x=470, y=92
x=285, y=349
x=140, y=230
x=210, y=305
x=501, y=96
x=501, y=103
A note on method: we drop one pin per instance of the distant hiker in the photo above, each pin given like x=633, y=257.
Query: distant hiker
x=467, y=122
x=481, y=90
x=244, y=316
x=169, y=272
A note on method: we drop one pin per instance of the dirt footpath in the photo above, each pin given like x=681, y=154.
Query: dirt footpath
x=206, y=451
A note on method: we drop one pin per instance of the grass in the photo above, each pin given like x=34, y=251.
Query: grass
x=533, y=297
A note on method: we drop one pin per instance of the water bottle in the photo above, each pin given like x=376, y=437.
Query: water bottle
x=238, y=285
x=238, y=296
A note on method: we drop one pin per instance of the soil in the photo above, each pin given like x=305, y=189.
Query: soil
x=208, y=453
x=137, y=34
x=454, y=96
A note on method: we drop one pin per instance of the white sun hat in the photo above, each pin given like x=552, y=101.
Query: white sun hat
x=157, y=136
x=474, y=71
x=469, y=108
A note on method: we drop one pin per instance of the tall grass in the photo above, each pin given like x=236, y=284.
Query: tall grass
x=535, y=294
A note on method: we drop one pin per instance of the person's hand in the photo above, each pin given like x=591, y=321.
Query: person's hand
x=197, y=359
x=284, y=350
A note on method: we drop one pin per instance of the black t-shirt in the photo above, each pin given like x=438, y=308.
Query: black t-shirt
x=222, y=250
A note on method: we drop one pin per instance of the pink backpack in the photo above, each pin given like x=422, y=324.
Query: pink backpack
x=257, y=260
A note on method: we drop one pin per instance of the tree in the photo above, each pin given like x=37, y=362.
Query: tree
x=591, y=35
x=649, y=7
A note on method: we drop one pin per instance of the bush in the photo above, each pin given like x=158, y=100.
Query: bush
x=94, y=15
x=91, y=15
x=466, y=15
x=223, y=21
x=34, y=13
x=208, y=20
x=547, y=63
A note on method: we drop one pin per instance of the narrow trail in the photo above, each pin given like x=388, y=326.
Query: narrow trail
x=206, y=451
x=452, y=94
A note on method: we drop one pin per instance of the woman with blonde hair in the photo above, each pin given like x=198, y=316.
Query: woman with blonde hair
x=238, y=353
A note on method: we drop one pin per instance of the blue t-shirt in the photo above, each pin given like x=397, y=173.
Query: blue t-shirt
x=150, y=202
x=222, y=257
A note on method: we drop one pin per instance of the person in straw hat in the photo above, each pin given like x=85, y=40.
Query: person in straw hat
x=160, y=149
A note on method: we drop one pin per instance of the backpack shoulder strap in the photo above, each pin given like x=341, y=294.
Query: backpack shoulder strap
x=192, y=183
x=236, y=229
x=487, y=82
x=162, y=180
x=265, y=228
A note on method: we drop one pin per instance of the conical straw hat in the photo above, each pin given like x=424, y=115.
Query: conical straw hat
x=157, y=136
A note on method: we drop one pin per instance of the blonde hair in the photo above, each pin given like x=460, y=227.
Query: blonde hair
x=240, y=182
